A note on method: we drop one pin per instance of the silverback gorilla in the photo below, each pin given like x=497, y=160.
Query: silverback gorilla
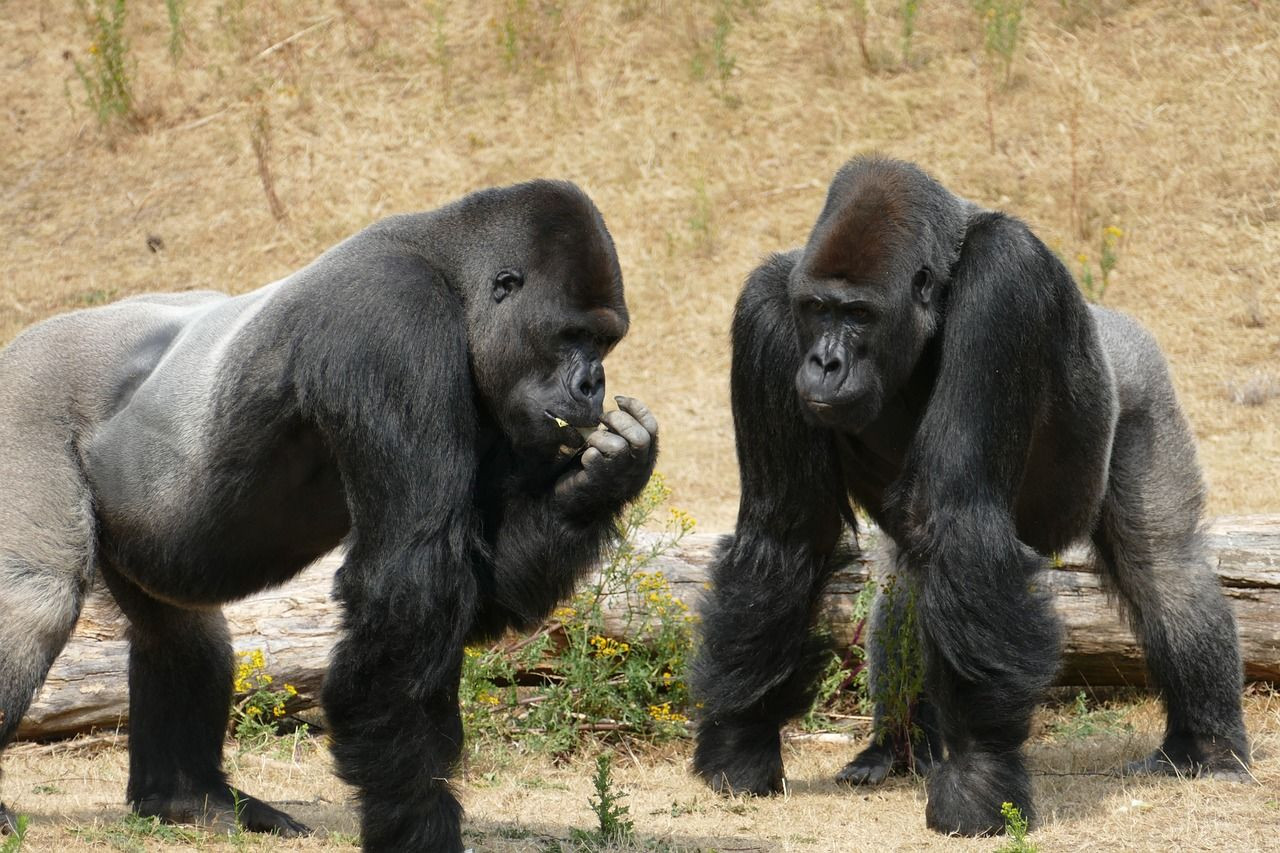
x=406, y=394
x=934, y=364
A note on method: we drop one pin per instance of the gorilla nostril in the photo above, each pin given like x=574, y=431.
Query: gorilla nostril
x=831, y=366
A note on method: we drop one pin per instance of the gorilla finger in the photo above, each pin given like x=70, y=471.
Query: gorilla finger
x=640, y=412
x=590, y=456
x=629, y=428
x=607, y=443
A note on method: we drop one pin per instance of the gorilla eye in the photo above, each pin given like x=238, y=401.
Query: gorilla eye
x=505, y=282
x=860, y=314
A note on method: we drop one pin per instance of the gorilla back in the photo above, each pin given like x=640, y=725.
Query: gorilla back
x=404, y=393
x=934, y=364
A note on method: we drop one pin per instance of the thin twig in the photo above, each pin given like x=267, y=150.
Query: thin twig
x=299, y=34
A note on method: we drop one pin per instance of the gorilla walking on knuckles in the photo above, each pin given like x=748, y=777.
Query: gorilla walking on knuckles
x=934, y=363
x=409, y=394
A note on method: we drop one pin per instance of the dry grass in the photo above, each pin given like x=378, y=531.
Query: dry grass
x=521, y=803
x=1157, y=117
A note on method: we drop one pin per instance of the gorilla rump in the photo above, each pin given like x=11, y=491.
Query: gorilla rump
x=404, y=394
x=934, y=364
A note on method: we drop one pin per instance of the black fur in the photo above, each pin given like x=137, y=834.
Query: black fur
x=397, y=395
x=935, y=363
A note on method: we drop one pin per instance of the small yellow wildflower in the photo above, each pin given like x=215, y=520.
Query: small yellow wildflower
x=1114, y=232
x=291, y=690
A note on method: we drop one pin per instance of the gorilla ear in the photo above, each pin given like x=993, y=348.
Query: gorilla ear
x=922, y=285
x=505, y=282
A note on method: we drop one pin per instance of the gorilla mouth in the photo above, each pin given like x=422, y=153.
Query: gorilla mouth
x=568, y=428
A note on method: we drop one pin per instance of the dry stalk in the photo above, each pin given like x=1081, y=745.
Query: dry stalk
x=260, y=137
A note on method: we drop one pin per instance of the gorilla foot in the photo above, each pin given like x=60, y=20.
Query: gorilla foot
x=1193, y=761
x=872, y=766
x=735, y=759
x=222, y=810
x=967, y=792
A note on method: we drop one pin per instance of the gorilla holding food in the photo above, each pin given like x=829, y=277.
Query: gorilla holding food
x=934, y=364
x=411, y=394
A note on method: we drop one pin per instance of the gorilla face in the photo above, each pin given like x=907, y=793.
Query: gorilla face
x=861, y=299
x=553, y=310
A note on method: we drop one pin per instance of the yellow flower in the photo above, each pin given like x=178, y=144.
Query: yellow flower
x=1113, y=231
x=1082, y=258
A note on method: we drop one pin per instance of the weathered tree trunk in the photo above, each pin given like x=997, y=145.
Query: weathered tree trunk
x=296, y=625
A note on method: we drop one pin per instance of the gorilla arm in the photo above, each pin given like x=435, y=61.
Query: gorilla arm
x=990, y=640
x=759, y=660
x=397, y=413
x=551, y=532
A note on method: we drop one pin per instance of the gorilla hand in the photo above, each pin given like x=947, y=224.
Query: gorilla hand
x=617, y=461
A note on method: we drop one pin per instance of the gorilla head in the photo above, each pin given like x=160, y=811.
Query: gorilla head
x=547, y=298
x=863, y=292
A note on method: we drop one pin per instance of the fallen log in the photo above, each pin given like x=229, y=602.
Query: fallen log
x=295, y=626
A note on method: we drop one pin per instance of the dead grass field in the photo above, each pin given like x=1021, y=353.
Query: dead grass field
x=522, y=803
x=1161, y=118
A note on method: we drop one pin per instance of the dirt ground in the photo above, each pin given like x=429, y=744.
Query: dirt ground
x=522, y=803
x=706, y=132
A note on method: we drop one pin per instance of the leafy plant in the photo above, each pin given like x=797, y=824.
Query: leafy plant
x=106, y=75
x=1015, y=827
x=259, y=707
x=612, y=815
x=1082, y=721
x=574, y=678
x=909, y=11
x=897, y=686
x=13, y=842
x=1001, y=22
x=1108, y=257
x=177, y=37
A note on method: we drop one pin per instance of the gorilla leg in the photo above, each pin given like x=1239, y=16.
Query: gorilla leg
x=759, y=660
x=46, y=527
x=1150, y=546
x=991, y=648
x=38, y=610
x=180, y=677
x=892, y=644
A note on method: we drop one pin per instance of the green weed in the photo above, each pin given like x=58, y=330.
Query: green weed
x=1082, y=721
x=177, y=35
x=1015, y=827
x=132, y=834
x=259, y=706
x=1095, y=287
x=573, y=679
x=106, y=74
x=12, y=843
x=612, y=815
x=1001, y=21
x=908, y=10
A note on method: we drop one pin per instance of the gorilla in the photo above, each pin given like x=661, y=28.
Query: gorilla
x=934, y=364
x=410, y=394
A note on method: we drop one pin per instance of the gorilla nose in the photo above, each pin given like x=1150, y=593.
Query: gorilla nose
x=823, y=370
x=587, y=387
